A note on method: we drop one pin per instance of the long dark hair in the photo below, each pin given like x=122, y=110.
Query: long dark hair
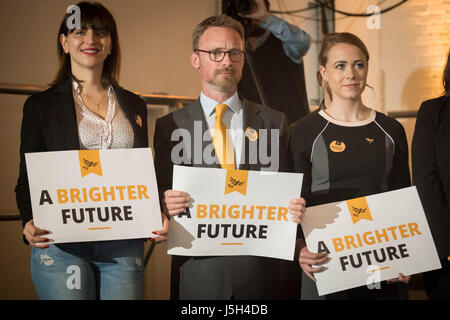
x=93, y=15
x=446, y=76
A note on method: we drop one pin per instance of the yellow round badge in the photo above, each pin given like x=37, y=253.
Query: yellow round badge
x=251, y=134
x=337, y=146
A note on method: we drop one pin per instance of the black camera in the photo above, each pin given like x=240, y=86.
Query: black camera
x=233, y=7
x=246, y=6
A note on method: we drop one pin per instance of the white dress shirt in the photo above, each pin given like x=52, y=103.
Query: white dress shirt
x=113, y=132
x=233, y=119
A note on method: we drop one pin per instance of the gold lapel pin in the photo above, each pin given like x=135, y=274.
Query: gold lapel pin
x=138, y=120
x=251, y=134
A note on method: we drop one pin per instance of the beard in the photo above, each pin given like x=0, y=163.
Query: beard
x=224, y=82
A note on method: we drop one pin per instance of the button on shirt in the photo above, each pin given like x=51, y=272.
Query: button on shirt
x=233, y=118
x=113, y=132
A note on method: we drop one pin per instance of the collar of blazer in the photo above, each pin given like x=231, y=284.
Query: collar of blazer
x=187, y=118
x=253, y=120
x=251, y=114
x=442, y=127
x=64, y=107
x=444, y=108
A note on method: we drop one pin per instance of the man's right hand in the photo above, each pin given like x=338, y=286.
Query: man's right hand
x=33, y=235
x=175, y=202
x=308, y=258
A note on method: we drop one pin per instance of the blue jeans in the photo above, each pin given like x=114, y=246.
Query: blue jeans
x=89, y=270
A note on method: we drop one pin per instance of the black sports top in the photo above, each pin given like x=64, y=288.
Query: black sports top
x=342, y=160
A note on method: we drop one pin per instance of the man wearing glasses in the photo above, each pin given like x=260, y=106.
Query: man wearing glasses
x=218, y=44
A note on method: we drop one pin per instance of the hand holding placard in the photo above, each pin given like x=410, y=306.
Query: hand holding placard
x=233, y=212
x=85, y=196
x=385, y=233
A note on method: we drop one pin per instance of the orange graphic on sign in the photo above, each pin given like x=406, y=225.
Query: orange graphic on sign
x=236, y=181
x=359, y=209
x=89, y=162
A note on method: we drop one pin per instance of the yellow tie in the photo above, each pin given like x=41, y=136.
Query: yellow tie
x=222, y=141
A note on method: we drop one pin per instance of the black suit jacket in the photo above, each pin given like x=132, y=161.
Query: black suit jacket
x=431, y=167
x=191, y=118
x=249, y=277
x=49, y=124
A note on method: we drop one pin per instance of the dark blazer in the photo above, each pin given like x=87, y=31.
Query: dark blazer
x=49, y=124
x=431, y=168
x=240, y=277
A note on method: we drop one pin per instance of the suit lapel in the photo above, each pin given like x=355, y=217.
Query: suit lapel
x=121, y=99
x=126, y=107
x=251, y=120
x=442, y=134
x=444, y=116
x=195, y=123
x=64, y=108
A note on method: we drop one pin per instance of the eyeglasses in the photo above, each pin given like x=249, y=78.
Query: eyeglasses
x=218, y=55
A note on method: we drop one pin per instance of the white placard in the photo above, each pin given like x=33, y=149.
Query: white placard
x=235, y=212
x=93, y=195
x=370, y=239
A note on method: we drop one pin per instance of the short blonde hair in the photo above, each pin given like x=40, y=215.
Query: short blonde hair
x=216, y=21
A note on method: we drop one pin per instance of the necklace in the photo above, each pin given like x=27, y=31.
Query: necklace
x=100, y=102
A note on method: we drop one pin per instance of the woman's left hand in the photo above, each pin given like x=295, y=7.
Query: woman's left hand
x=163, y=232
x=401, y=278
x=297, y=208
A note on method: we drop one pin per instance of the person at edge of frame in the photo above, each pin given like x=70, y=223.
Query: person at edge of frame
x=430, y=153
x=85, y=108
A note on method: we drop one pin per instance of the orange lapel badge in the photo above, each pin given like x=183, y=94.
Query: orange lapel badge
x=251, y=134
x=337, y=146
x=138, y=120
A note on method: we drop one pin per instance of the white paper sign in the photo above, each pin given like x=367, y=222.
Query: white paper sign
x=235, y=212
x=93, y=195
x=370, y=239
